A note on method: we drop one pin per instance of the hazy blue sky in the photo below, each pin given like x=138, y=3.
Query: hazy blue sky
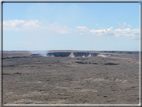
x=71, y=26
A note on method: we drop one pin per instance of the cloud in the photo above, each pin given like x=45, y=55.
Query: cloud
x=58, y=28
x=122, y=26
x=21, y=25
x=101, y=31
x=35, y=25
x=96, y=24
x=134, y=33
x=31, y=23
x=82, y=28
x=18, y=25
x=116, y=32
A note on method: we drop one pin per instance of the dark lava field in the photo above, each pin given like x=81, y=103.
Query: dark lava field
x=31, y=79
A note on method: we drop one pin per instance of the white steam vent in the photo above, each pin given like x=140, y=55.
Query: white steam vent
x=71, y=55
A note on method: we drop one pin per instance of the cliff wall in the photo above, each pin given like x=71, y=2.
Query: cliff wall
x=89, y=53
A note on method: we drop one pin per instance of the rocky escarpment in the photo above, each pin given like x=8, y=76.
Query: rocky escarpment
x=89, y=53
x=72, y=54
x=85, y=54
x=59, y=54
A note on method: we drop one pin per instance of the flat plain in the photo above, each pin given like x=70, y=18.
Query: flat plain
x=29, y=79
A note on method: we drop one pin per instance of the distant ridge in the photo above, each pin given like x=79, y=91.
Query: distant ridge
x=126, y=52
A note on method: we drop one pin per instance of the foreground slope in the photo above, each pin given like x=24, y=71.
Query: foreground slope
x=65, y=80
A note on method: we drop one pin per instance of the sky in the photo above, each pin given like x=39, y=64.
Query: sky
x=71, y=26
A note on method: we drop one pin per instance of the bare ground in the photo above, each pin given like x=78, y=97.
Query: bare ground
x=64, y=80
